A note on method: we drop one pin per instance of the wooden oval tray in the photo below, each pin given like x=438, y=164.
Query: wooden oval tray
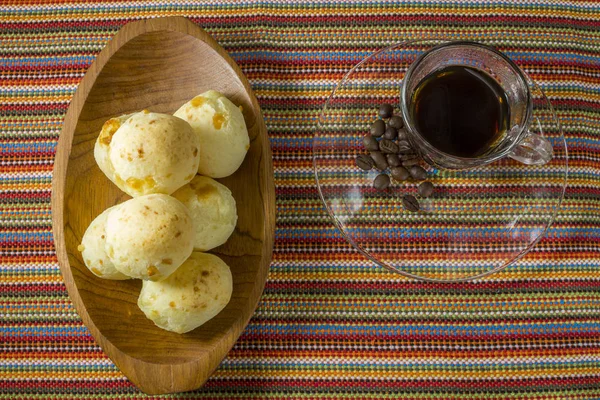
x=159, y=64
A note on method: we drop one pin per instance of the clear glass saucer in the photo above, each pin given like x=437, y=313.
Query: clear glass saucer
x=477, y=222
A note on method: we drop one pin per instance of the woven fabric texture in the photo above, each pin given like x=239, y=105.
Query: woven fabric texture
x=330, y=324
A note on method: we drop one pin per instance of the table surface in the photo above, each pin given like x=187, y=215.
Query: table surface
x=330, y=324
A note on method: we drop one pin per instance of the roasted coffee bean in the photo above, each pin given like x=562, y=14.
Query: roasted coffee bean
x=400, y=173
x=388, y=146
x=378, y=128
x=409, y=156
x=409, y=159
x=393, y=160
x=364, y=162
x=404, y=147
x=396, y=122
x=418, y=173
x=425, y=189
x=386, y=110
x=410, y=203
x=381, y=182
x=370, y=143
x=379, y=159
x=402, y=135
x=390, y=133
x=410, y=162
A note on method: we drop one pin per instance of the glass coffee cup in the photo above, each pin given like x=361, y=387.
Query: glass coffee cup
x=515, y=141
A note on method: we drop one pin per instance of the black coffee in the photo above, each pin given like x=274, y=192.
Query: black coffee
x=460, y=111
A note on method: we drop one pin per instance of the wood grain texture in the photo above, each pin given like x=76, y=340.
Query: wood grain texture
x=159, y=64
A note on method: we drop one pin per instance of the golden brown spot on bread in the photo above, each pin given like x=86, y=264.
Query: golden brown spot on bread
x=111, y=252
x=205, y=191
x=178, y=234
x=196, y=289
x=102, y=237
x=167, y=261
x=140, y=152
x=195, y=151
x=150, y=182
x=172, y=304
x=216, y=297
x=109, y=129
x=145, y=111
x=169, y=175
x=96, y=271
x=101, y=262
x=197, y=101
x=135, y=183
x=247, y=147
x=138, y=184
x=218, y=120
x=152, y=270
x=129, y=158
x=88, y=261
x=81, y=247
x=146, y=207
x=189, y=177
x=152, y=122
x=205, y=273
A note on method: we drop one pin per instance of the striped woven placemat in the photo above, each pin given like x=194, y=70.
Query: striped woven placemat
x=330, y=324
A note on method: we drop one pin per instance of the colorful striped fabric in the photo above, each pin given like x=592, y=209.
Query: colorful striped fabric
x=330, y=324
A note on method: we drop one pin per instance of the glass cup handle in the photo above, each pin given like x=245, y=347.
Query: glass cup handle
x=532, y=150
